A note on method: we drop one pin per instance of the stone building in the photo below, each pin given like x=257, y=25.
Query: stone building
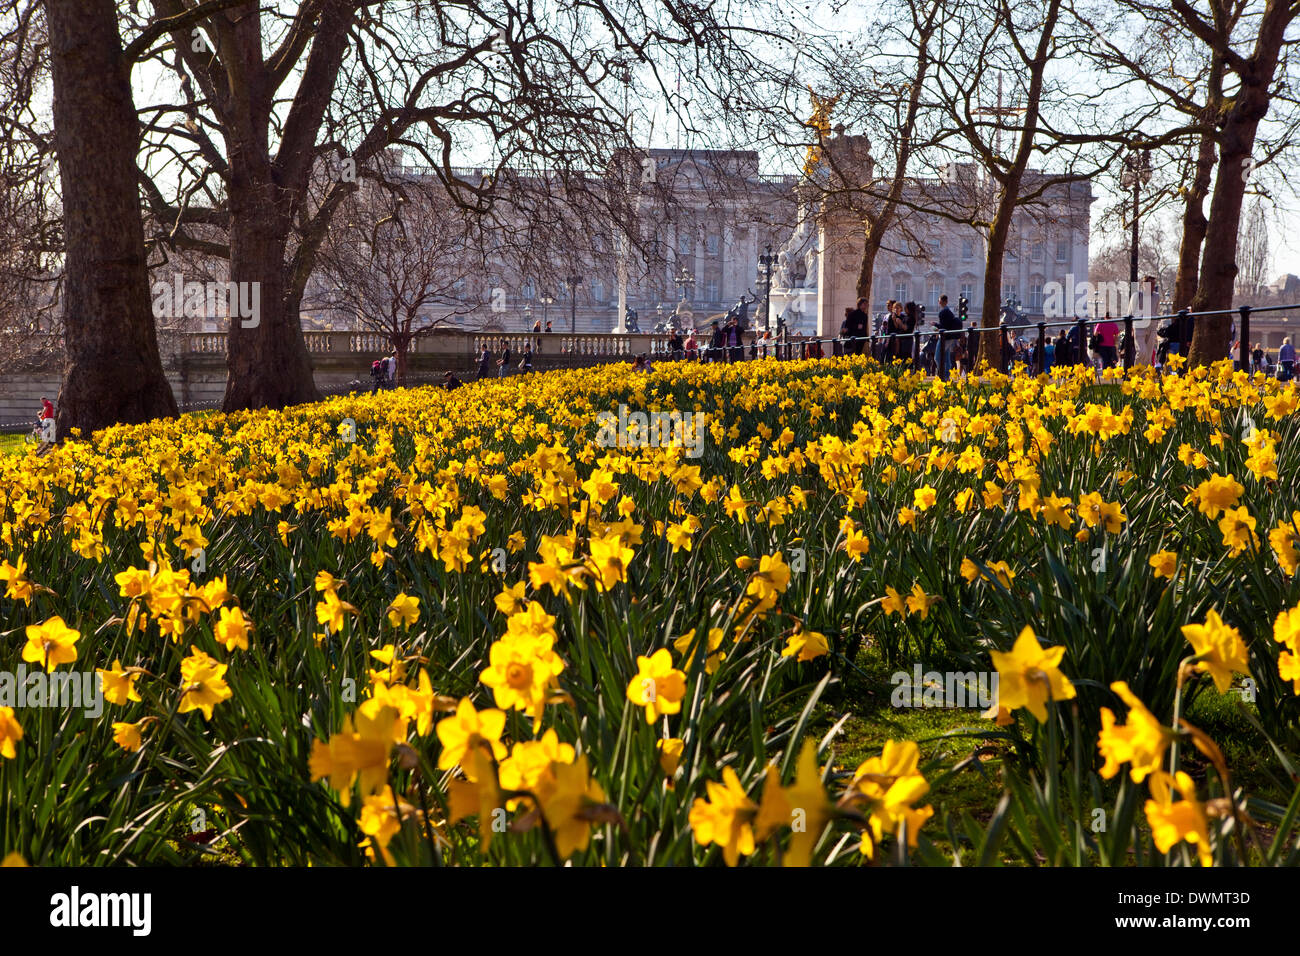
x=703, y=218
x=927, y=255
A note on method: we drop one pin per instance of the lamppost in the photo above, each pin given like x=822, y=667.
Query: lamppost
x=528, y=315
x=547, y=299
x=684, y=279
x=766, y=260
x=574, y=281
x=1137, y=173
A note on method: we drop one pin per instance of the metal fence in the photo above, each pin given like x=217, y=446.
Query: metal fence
x=585, y=351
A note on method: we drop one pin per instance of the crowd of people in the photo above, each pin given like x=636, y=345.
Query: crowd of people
x=503, y=360
x=1282, y=365
x=899, y=333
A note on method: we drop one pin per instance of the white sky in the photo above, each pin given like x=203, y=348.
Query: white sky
x=661, y=131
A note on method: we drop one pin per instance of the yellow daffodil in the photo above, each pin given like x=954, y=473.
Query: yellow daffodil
x=1030, y=675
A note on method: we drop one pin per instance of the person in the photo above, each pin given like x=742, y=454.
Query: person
x=950, y=327
x=503, y=363
x=548, y=326
x=537, y=326
x=526, y=363
x=1179, y=334
x=691, y=347
x=1285, y=360
x=911, y=319
x=450, y=381
x=43, y=427
x=813, y=350
x=716, y=342
x=885, y=345
x=484, y=362
x=1049, y=354
x=901, y=347
x=1258, y=356
x=641, y=363
x=1107, y=332
x=675, y=345
x=376, y=375
x=857, y=326
x=959, y=358
x=736, y=349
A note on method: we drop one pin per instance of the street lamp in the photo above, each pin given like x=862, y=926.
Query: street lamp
x=1137, y=173
x=766, y=260
x=574, y=281
x=528, y=314
x=684, y=279
x=547, y=299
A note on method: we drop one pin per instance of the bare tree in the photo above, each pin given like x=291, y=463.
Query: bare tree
x=1044, y=119
x=398, y=268
x=539, y=82
x=1253, y=75
x=112, y=371
x=1253, y=256
x=884, y=196
x=31, y=240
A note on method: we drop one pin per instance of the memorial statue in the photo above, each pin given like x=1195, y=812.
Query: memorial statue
x=801, y=243
x=629, y=320
x=810, y=265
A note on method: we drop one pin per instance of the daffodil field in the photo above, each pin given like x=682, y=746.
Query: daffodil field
x=438, y=627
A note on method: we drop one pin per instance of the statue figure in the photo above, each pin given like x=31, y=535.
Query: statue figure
x=794, y=249
x=810, y=265
x=821, y=122
x=742, y=312
x=630, y=321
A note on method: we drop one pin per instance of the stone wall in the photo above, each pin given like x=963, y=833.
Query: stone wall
x=195, y=363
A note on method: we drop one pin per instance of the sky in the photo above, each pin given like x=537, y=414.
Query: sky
x=1280, y=202
x=656, y=129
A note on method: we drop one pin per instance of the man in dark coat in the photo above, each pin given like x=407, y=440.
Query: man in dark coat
x=857, y=326
x=951, y=332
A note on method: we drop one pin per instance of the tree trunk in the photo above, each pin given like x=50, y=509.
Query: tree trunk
x=267, y=361
x=1211, y=334
x=112, y=372
x=1009, y=195
x=991, y=306
x=1219, y=255
x=1194, y=223
x=870, y=249
x=878, y=225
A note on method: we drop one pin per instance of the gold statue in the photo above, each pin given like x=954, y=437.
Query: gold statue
x=820, y=121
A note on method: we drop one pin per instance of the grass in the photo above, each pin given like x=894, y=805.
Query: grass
x=947, y=737
x=11, y=444
x=966, y=767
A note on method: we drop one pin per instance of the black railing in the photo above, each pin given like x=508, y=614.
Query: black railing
x=1181, y=329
